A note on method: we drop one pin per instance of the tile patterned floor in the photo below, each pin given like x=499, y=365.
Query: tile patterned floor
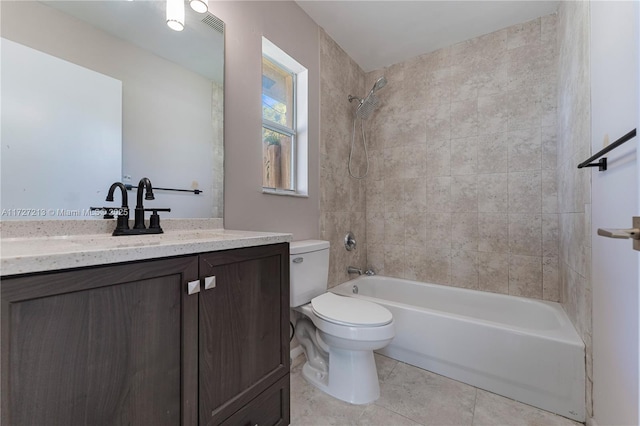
x=412, y=396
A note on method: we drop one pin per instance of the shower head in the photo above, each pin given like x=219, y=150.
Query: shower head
x=367, y=105
x=370, y=103
x=379, y=84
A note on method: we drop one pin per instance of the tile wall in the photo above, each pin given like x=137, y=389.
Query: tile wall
x=574, y=185
x=462, y=189
x=342, y=198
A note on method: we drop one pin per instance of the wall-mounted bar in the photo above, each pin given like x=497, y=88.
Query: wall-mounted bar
x=602, y=164
x=195, y=191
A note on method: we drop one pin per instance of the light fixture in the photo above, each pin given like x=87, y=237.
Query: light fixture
x=199, y=6
x=175, y=14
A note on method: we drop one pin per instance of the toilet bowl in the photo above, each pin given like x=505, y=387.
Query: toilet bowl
x=338, y=334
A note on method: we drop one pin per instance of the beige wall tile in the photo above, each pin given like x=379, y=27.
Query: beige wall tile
x=493, y=113
x=525, y=150
x=464, y=231
x=493, y=272
x=551, y=279
x=464, y=156
x=525, y=194
x=493, y=192
x=493, y=232
x=464, y=118
x=439, y=158
x=415, y=229
x=415, y=195
x=438, y=265
x=524, y=108
x=464, y=194
x=523, y=34
x=525, y=234
x=439, y=194
x=525, y=276
x=415, y=161
x=438, y=230
x=394, y=260
x=493, y=153
x=464, y=269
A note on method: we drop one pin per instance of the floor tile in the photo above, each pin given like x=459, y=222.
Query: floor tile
x=375, y=415
x=415, y=397
x=312, y=407
x=427, y=398
x=496, y=410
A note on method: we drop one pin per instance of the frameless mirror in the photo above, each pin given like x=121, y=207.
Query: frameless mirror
x=95, y=92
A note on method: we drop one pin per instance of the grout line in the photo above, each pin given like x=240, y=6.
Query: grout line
x=475, y=401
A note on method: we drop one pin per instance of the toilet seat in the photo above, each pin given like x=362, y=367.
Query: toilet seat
x=349, y=311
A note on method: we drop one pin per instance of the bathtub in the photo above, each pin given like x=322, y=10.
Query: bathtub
x=520, y=348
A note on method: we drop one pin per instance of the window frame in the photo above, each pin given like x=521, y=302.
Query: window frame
x=279, y=128
x=300, y=120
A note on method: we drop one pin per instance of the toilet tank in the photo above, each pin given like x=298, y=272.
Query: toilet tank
x=309, y=269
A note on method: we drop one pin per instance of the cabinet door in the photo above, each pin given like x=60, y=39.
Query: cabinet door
x=99, y=346
x=243, y=328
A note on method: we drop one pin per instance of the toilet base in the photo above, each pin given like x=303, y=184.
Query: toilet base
x=352, y=376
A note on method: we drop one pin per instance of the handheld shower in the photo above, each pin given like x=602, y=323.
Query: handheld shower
x=364, y=110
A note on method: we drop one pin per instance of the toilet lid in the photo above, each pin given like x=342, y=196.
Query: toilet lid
x=350, y=311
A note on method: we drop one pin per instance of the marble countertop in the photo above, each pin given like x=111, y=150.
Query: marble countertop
x=21, y=255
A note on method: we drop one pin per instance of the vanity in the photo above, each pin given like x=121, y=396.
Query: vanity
x=189, y=327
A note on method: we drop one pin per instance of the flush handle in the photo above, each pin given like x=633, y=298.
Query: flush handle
x=298, y=260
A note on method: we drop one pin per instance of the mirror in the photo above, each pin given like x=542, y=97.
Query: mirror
x=167, y=84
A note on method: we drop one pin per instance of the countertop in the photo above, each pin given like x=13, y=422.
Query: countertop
x=21, y=255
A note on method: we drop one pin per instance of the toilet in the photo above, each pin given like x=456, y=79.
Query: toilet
x=338, y=334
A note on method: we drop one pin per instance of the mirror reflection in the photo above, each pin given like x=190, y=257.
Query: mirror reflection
x=111, y=94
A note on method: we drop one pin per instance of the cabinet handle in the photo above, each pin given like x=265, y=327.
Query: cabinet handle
x=193, y=287
x=210, y=282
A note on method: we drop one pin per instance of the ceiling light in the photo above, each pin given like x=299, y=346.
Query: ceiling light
x=175, y=14
x=199, y=6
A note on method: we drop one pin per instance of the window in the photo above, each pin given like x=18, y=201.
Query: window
x=284, y=117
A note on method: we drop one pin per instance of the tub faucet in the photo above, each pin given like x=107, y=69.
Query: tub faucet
x=354, y=270
x=370, y=272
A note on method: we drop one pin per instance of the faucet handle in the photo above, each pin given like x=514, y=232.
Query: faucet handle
x=154, y=219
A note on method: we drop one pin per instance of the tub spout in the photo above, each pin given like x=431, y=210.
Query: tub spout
x=354, y=270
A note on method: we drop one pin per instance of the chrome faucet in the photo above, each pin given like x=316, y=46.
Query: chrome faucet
x=354, y=270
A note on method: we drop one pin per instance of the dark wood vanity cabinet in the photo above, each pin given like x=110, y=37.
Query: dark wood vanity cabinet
x=126, y=344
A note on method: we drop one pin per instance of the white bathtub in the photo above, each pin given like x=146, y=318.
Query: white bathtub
x=520, y=348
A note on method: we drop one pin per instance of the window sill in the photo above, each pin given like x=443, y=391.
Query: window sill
x=285, y=193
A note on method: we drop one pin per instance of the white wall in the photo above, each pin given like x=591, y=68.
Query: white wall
x=286, y=25
x=615, y=110
x=168, y=134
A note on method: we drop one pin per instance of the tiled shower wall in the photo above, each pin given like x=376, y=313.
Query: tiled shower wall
x=462, y=189
x=574, y=185
x=342, y=198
